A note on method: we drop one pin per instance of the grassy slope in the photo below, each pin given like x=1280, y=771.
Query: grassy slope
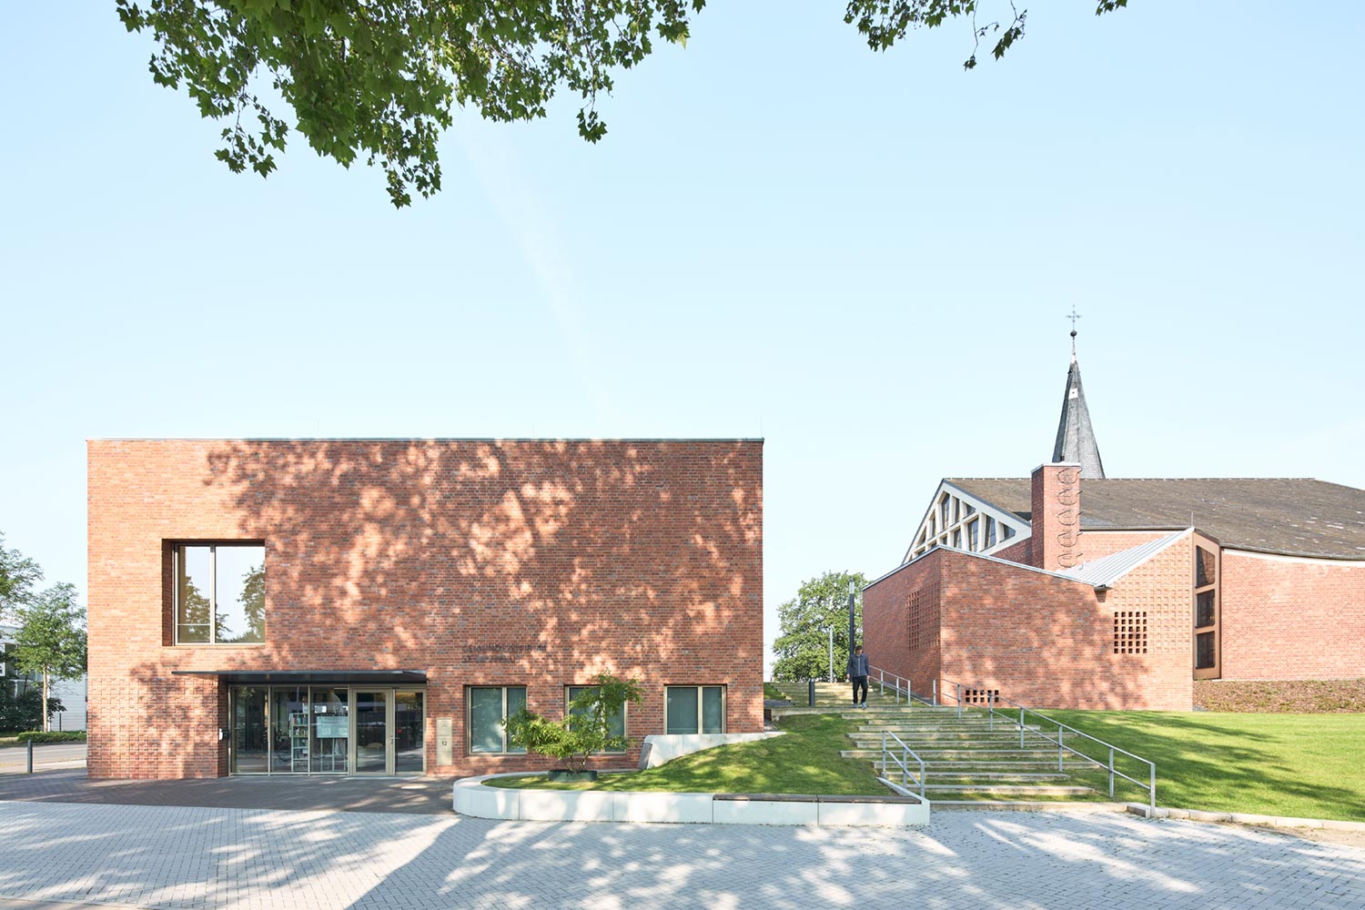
x=1304, y=765
x=806, y=760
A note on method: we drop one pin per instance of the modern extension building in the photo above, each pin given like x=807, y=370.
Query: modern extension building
x=379, y=607
x=1071, y=589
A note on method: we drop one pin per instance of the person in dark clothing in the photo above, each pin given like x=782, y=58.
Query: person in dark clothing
x=858, y=670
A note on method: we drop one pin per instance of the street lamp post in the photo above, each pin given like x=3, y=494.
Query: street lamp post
x=831, y=653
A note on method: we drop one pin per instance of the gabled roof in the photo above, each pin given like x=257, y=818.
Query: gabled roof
x=1075, y=436
x=1293, y=516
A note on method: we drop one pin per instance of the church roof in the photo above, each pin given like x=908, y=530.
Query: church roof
x=1075, y=436
x=1288, y=515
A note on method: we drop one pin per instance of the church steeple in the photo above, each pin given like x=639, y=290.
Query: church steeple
x=1075, y=436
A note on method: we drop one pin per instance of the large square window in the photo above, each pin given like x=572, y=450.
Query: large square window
x=219, y=594
x=616, y=723
x=489, y=706
x=695, y=709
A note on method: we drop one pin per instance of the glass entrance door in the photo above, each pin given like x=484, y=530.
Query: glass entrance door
x=373, y=740
x=326, y=730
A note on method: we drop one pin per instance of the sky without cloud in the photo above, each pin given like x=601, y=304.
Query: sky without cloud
x=865, y=259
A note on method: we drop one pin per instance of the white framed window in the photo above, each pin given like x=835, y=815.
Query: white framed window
x=694, y=709
x=219, y=593
x=489, y=706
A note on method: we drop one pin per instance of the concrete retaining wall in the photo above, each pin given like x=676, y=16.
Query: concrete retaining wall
x=473, y=799
x=660, y=749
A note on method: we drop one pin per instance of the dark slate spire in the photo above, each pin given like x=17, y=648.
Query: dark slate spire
x=1075, y=437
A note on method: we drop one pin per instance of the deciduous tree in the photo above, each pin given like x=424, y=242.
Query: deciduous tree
x=18, y=575
x=586, y=728
x=802, y=646
x=51, y=639
x=377, y=80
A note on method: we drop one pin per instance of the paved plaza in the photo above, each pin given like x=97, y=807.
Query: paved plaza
x=258, y=859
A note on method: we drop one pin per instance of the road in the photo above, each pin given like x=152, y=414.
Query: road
x=14, y=759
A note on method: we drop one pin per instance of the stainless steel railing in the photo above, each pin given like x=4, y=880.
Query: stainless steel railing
x=899, y=685
x=1062, y=730
x=901, y=761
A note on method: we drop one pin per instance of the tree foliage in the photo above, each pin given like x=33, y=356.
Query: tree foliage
x=884, y=22
x=586, y=728
x=802, y=645
x=21, y=704
x=377, y=80
x=51, y=639
x=18, y=575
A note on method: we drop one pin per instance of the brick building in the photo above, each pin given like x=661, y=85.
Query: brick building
x=349, y=606
x=1071, y=589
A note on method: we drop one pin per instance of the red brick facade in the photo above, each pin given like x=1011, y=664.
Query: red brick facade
x=1008, y=624
x=1033, y=637
x=1286, y=618
x=1056, y=518
x=525, y=563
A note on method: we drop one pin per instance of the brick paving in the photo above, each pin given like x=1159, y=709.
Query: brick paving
x=426, y=796
x=257, y=859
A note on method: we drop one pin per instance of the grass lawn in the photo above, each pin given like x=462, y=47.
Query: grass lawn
x=1301, y=765
x=806, y=760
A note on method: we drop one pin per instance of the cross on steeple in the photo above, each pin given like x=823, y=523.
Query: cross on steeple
x=1075, y=437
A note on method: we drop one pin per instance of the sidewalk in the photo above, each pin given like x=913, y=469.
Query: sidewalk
x=177, y=857
x=423, y=796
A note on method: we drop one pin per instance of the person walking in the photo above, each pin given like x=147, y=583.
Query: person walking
x=858, y=670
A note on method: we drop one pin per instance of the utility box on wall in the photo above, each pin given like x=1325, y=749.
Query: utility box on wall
x=445, y=753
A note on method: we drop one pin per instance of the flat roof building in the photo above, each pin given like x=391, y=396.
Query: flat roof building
x=380, y=606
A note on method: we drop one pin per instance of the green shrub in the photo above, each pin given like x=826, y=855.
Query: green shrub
x=24, y=710
x=38, y=736
x=586, y=729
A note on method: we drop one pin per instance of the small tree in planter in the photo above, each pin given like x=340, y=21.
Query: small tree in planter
x=585, y=730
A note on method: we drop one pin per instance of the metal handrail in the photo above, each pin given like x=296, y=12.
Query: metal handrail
x=902, y=762
x=897, y=689
x=992, y=699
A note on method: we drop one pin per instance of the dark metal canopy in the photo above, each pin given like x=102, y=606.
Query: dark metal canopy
x=311, y=677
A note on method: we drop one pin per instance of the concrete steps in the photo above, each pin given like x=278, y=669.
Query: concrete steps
x=967, y=758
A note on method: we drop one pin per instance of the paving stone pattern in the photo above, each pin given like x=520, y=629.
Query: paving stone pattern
x=183, y=857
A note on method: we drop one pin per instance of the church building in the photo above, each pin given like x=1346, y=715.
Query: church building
x=1072, y=589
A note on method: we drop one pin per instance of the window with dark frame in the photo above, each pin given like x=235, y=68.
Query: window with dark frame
x=219, y=593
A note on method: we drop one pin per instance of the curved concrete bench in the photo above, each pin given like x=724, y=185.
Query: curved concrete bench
x=473, y=799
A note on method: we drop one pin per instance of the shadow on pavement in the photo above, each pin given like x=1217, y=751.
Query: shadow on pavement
x=418, y=796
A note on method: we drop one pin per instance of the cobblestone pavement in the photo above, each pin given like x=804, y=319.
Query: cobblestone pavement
x=181, y=857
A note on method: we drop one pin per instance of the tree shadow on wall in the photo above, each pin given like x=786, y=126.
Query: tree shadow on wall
x=573, y=557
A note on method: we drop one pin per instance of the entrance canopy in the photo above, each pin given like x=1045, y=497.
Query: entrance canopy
x=312, y=677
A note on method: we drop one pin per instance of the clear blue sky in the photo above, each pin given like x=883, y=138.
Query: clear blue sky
x=865, y=259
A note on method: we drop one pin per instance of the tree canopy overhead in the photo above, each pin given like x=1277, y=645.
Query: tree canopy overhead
x=378, y=80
